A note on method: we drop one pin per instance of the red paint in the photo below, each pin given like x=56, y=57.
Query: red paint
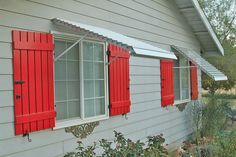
x=34, y=109
x=194, y=81
x=167, y=83
x=119, y=91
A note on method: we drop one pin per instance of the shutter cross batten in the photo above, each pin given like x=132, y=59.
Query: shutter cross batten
x=33, y=81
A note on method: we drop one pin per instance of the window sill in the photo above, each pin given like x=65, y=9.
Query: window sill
x=78, y=121
x=182, y=101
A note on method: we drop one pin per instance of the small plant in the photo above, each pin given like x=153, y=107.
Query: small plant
x=122, y=147
x=82, y=151
x=155, y=146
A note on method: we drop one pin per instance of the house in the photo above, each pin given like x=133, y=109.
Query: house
x=83, y=68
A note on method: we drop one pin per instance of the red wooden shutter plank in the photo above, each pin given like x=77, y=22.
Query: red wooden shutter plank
x=194, y=81
x=32, y=46
x=38, y=76
x=17, y=76
x=119, y=81
x=31, y=66
x=31, y=61
x=167, y=83
x=45, y=79
x=24, y=77
x=51, y=82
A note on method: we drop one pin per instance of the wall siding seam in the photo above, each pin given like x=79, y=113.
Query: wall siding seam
x=152, y=75
x=141, y=102
x=6, y=155
x=136, y=122
x=129, y=132
x=146, y=66
x=141, y=20
x=145, y=83
x=146, y=93
x=148, y=14
x=168, y=37
x=161, y=131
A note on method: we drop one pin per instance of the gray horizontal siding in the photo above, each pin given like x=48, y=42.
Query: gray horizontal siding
x=156, y=22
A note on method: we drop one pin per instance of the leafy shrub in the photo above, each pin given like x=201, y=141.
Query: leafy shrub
x=226, y=144
x=220, y=96
x=82, y=151
x=214, y=116
x=211, y=137
x=122, y=147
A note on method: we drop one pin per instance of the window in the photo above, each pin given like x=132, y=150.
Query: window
x=80, y=80
x=181, y=80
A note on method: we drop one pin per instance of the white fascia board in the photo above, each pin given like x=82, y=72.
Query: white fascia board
x=208, y=26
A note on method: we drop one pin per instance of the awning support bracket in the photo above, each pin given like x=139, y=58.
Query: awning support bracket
x=68, y=49
x=118, y=55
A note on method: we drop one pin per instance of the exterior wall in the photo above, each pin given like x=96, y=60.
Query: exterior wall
x=156, y=22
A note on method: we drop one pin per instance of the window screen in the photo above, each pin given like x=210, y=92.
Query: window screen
x=181, y=79
x=67, y=83
x=85, y=62
x=93, y=70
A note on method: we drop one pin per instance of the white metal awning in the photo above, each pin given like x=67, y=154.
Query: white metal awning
x=202, y=63
x=135, y=46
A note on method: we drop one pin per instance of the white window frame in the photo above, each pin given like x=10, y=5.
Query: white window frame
x=82, y=120
x=176, y=102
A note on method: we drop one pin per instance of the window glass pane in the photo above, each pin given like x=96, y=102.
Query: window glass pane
x=89, y=108
x=61, y=108
x=60, y=92
x=73, y=90
x=73, y=109
x=60, y=70
x=88, y=70
x=87, y=50
x=98, y=52
x=73, y=53
x=99, y=70
x=185, y=78
x=99, y=88
x=89, y=88
x=94, y=78
x=60, y=46
x=100, y=107
x=72, y=70
x=67, y=89
x=176, y=80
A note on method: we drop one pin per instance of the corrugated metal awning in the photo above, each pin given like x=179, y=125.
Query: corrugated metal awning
x=202, y=63
x=135, y=46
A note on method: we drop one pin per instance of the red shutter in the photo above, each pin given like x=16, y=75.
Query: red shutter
x=194, y=81
x=167, y=83
x=33, y=81
x=119, y=80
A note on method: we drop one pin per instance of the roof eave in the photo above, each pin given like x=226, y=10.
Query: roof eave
x=208, y=26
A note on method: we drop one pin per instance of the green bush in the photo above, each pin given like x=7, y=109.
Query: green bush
x=214, y=116
x=211, y=137
x=226, y=144
x=220, y=96
x=122, y=147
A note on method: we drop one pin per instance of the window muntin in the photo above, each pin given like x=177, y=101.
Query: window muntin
x=80, y=80
x=181, y=79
